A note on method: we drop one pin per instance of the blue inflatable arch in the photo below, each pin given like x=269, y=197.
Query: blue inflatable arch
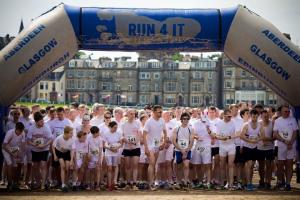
x=53, y=38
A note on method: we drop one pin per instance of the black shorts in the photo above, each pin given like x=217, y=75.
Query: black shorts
x=276, y=151
x=265, y=154
x=40, y=156
x=239, y=158
x=63, y=155
x=249, y=154
x=132, y=152
x=214, y=151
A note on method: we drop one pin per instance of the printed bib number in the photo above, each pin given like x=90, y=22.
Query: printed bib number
x=14, y=149
x=39, y=141
x=200, y=149
x=252, y=137
x=95, y=152
x=183, y=143
x=131, y=139
x=156, y=142
x=79, y=155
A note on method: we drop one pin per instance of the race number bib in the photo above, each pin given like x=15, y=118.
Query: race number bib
x=285, y=135
x=156, y=142
x=131, y=139
x=79, y=155
x=183, y=143
x=200, y=149
x=95, y=152
x=39, y=141
x=252, y=137
x=14, y=149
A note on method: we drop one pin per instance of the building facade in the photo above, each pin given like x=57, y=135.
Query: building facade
x=151, y=81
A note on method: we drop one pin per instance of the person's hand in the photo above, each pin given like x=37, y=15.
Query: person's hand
x=162, y=146
x=71, y=164
x=55, y=158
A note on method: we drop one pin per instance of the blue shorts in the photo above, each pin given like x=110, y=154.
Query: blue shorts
x=178, y=157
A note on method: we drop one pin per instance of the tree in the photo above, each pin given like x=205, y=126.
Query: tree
x=177, y=56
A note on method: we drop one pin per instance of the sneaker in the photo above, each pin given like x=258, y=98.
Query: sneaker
x=226, y=187
x=152, y=188
x=127, y=187
x=249, y=187
x=208, y=186
x=239, y=186
x=231, y=188
x=97, y=188
x=64, y=189
x=135, y=188
x=176, y=186
x=281, y=186
x=288, y=187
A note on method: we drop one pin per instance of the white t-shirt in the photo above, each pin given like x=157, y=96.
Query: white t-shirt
x=10, y=125
x=13, y=140
x=27, y=123
x=285, y=128
x=155, y=130
x=238, y=123
x=212, y=124
x=81, y=148
x=201, y=131
x=131, y=131
x=57, y=126
x=225, y=129
x=40, y=135
x=268, y=134
x=95, y=145
x=112, y=139
x=63, y=145
x=96, y=121
x=252, y=134
x=104, y=129
x=183, y=135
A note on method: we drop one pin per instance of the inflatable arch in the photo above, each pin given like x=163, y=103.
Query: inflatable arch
x=53, y=38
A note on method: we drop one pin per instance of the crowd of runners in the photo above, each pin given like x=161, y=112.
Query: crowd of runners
x=77, y=148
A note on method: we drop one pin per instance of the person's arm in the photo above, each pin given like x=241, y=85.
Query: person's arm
x=243, y=134
x=53, y=150
x=174, y=138
x=145, y=133
x=278, y=137
x=191, y=140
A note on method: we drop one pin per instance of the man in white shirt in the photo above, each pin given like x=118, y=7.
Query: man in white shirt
x=285, y=131
x=153, y=130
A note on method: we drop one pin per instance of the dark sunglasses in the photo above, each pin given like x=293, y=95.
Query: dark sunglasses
x=185, y=118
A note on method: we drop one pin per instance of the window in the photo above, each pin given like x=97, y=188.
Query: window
x=243, y=84
x=80, y=84
x=129, y=87
x=196, y=87
x=170, y=87
x=228, y=84
x=156, y=87
x=80, y=73
x=156, y=75
x=53, y=86
x=144, y=87
x=228, y=73
x=144, y=75
x=195, y=100
x=182, y=88
x=210, y=75
x=210, y=87
x=105, y=75
x=260, y=85
x=130, y=99
x=171, y=75
x=117, y=87
x=41, y=85
x=144, y=99
x=70, y=73
x=183, y=75
x=91, y=84
x=70, y=84
x=72, y=63
x=197, y=75
x=243, y=73
x=46, y=85
x=106, y=86
x=169, y=100
x=41, y=96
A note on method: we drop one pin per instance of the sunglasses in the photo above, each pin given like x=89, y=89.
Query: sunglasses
x=228, y=116
x=107, y=117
